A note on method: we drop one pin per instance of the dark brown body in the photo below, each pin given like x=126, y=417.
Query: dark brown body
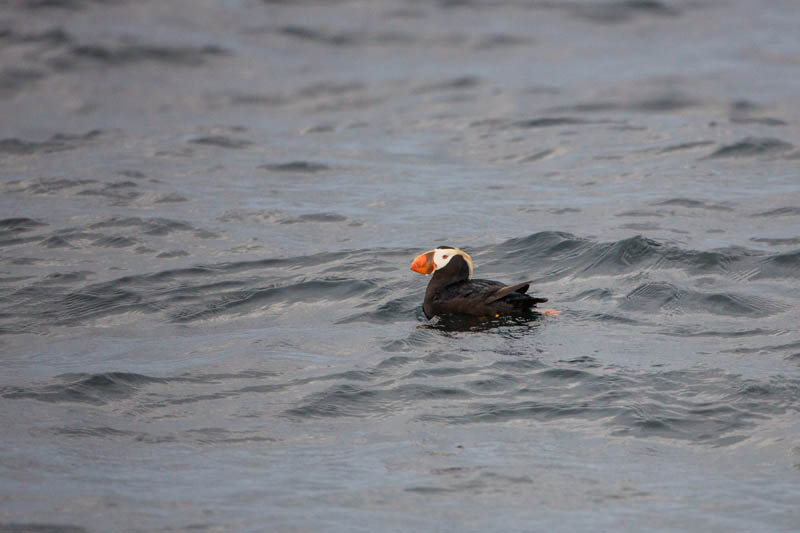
x=451, y=292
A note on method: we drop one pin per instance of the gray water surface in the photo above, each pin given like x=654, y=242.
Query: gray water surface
x=207, y=215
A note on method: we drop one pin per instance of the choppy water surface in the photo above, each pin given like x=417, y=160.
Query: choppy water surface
x=207, y=214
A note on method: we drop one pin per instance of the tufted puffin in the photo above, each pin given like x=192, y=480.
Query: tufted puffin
x=452, y=291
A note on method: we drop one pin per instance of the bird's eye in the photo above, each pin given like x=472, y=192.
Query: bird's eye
x=444, y=257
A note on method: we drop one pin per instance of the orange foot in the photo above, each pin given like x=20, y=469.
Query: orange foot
x=549, y=312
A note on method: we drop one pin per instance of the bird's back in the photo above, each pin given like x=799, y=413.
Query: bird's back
x=479, y=297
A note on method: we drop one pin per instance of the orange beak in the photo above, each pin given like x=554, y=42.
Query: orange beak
x=424, y=263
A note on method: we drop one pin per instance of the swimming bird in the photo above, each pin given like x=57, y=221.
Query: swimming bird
x=452, y=291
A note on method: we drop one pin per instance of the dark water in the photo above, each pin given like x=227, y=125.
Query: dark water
x=207, y=215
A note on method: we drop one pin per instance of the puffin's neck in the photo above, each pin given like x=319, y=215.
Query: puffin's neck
x=456, y=270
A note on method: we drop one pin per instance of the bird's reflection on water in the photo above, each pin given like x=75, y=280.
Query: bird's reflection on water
x=507, y=325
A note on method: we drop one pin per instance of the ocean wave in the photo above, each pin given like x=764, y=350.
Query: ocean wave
x=379, y=290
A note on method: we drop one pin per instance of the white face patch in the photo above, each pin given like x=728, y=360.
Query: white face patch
x=442, y=256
